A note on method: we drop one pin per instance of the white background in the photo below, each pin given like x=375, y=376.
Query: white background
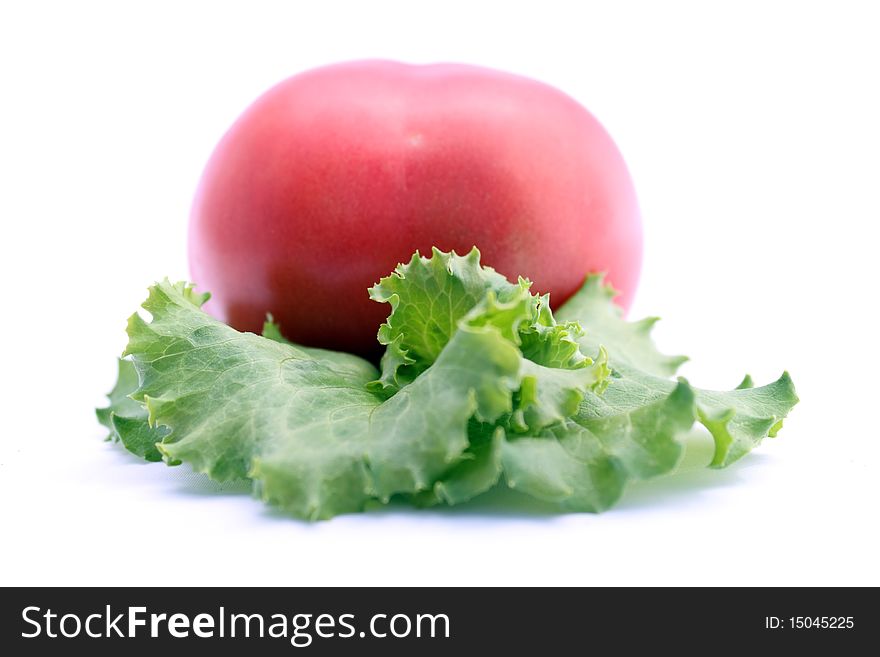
x=752, y=131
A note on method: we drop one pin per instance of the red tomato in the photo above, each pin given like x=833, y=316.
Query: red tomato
x=333, y=176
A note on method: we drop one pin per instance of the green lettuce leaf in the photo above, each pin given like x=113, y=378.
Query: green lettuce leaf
x=306, y=428
x=127, y=419
x=479, y=383
x=428, y=298
x=602, y=320
x=584, y=463
x=478, y=471
x=633, y=426
x=738, y=419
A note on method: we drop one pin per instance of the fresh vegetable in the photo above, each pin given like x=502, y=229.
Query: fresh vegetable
x=336, y=174
x=480, y=383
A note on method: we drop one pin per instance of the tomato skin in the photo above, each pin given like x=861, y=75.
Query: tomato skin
x=335, y=175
